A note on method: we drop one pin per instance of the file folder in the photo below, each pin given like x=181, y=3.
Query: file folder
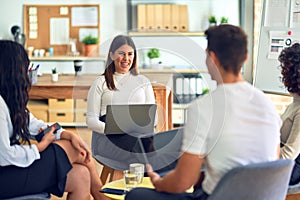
x=199, y=86
x=158, y=17
x=186, y=90
x=179, y=90
x=175, y=17
x=150, y=16
x=141, y=17
x=183, y=20
x=166, y=16
x=193, y=88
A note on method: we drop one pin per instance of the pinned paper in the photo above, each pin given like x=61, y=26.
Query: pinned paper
x=32, y=11
x=33, y=26
x=33, y=34
x=64, y=10
x=59, y=31
x=83, y=32
x=84, y=16
x=32, y=18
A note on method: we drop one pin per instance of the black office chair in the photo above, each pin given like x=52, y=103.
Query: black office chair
x=116, y=152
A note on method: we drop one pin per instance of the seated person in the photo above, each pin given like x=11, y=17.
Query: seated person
x=289, y=60
x=232, y=126
x=119, y=84
x=58, y=163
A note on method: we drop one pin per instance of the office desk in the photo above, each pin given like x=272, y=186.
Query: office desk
x=77, y=87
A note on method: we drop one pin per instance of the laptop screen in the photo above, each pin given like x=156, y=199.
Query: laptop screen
x=130, y=119
x=161, y=150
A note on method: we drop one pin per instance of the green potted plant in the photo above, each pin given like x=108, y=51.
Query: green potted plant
x=212, y=20
x=152, y=54
x=224, y=20
x=91, y=44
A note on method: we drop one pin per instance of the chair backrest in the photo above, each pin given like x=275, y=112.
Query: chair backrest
x=118, y=151
x=264, y=181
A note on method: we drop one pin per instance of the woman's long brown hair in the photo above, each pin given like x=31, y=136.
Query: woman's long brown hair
x=14, y=87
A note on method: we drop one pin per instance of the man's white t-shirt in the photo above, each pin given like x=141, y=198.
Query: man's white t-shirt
x=232, y=126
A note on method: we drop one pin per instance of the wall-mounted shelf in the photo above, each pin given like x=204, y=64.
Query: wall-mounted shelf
x=193, y=15
x=165, y=33
x=171, y=71
x=67, y=58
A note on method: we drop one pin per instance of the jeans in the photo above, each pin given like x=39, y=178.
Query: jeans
x=295, y=177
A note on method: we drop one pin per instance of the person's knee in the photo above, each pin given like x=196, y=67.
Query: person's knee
x=82, y=176
x=84, y=173
x=73, y=154
x=78, y=181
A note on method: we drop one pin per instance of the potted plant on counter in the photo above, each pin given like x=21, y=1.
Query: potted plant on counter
x=212, y=20
x=224, y=20
x=54, y=75
x=153, y=54
x=91, y=45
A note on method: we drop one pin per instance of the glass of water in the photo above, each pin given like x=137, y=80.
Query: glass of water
x=139, y=169
x=131, y=180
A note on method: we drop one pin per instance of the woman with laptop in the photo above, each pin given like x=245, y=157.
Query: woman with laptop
x=120, y=84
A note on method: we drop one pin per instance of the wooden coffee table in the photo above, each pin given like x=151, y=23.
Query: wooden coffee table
x=120, y=184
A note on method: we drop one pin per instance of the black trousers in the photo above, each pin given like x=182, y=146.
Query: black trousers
x=150, y=194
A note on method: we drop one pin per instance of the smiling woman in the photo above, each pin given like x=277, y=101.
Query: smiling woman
x=119, y=84
x=123, y=58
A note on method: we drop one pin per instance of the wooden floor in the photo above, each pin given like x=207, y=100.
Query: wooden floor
x=293, y=197
x=86, y=134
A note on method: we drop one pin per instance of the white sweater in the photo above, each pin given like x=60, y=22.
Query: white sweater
x=18, y=155
x=131, y=89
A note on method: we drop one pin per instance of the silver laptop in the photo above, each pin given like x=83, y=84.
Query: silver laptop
x=130, y=119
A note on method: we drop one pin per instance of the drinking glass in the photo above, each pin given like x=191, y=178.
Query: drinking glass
x=139, y=169
x=131, y=180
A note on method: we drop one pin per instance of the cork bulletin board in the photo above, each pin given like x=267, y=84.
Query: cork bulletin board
x=57, y=26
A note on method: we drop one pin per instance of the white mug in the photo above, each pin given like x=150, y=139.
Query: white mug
x=41, y=52
x=36, y=53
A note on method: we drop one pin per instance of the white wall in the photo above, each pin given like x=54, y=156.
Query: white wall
x=113, y=21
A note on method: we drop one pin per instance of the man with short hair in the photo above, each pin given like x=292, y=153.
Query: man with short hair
x=234, y=125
